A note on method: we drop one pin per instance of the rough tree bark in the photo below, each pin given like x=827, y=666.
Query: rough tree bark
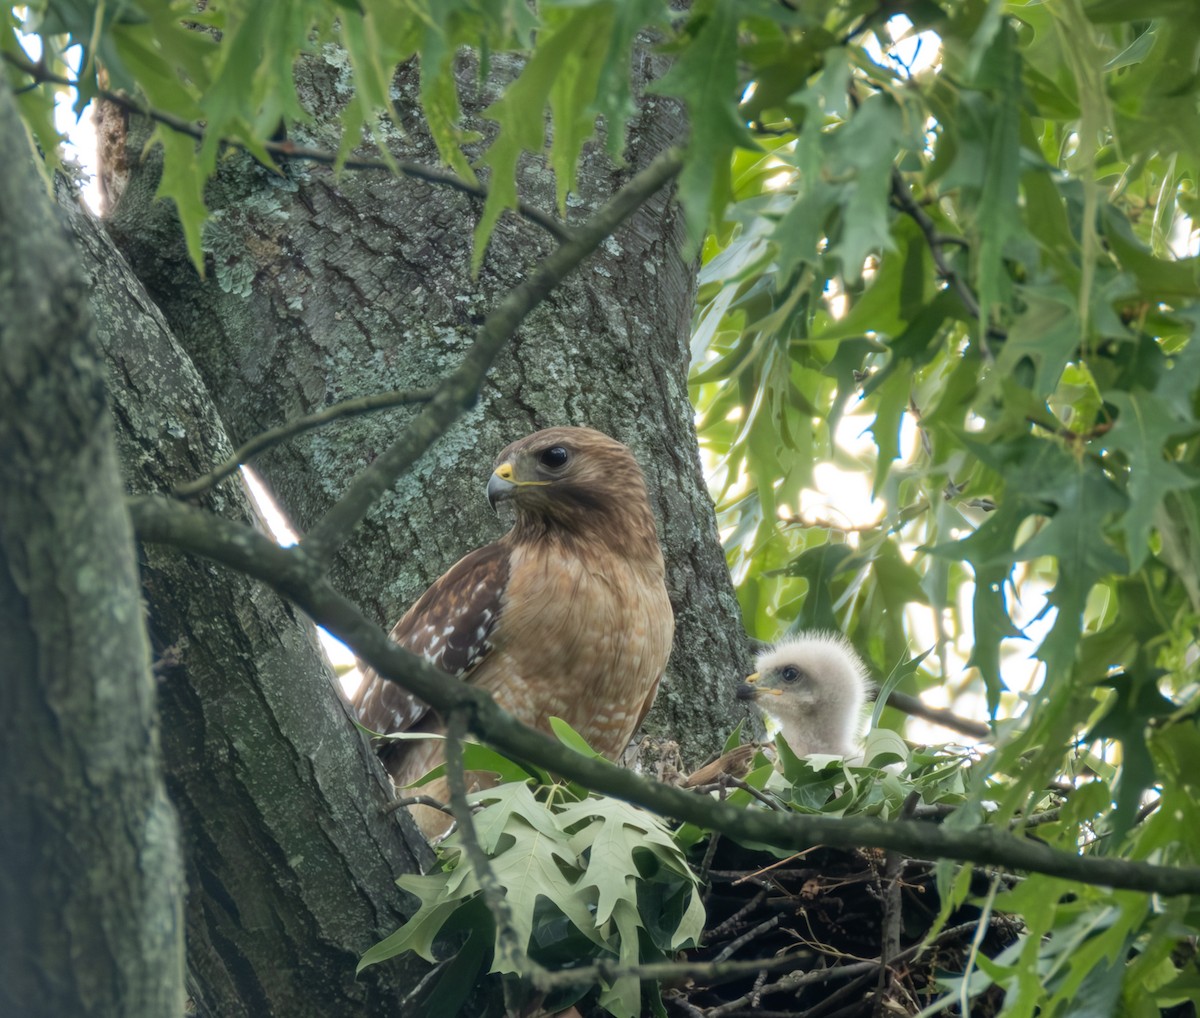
x=91, y=885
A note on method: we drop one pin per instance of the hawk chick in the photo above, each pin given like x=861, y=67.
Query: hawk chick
x=566, y=615
x=813, y=687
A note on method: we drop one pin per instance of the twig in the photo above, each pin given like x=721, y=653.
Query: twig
x=289, y=151
x=710, y=853
x=889, y=945
x=850, y=990
x=709, y=972
x=417, y=800
x=460, y=389
x=267, y=439
x=903, y=200
x=914, y=707
x=1067, y=435
x=729, y=781
x=795, y=980
x=775, y=865
x=510, y=952
x=293, y=573
x=738, y=942
x=728, y=926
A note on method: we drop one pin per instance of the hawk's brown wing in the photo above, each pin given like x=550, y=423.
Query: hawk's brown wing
x=450, y=626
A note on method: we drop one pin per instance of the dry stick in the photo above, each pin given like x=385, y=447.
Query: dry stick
x=729, y=781
x=795, y=980
x=847, y=991
x=903, y=200
x=418, y=800
x=287, y=150
x=739, y=942
x=731, y=923
x=293, y=573
x=510, y=952
x=890, y=940
x=460, y=389
x=913, y=706
x=268, y=439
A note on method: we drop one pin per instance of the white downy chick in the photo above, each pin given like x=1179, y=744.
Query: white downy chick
x=813, y=687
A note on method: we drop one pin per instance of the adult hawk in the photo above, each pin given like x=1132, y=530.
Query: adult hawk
x=566, y=615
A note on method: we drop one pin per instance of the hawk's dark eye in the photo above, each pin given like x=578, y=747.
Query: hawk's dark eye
x=790, y=674
x=555, y=457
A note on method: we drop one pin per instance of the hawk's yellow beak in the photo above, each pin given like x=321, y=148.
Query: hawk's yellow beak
x=501, y=484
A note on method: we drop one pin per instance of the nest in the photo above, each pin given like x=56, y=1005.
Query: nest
x=839, y=933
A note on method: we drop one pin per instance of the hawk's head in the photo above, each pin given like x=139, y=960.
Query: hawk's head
x=572, y=479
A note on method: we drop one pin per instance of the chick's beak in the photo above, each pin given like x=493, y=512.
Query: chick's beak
x=747, y=690
x=501, y=485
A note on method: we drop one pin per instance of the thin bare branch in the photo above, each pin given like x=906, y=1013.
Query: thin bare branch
x=794, y=980
x=914, y=707
x=903, y=200
x=418, y=800
x=460, y=389
x=726, y=781
x=273, y=437
x=510, y=951
x=293, y=573
x=289, y=151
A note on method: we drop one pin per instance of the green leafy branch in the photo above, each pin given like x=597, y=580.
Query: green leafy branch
x=293, y=573
x=287, y=151
x=563, y=880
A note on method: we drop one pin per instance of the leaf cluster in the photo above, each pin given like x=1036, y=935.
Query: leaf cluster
x=962, y=297
x=585, y=878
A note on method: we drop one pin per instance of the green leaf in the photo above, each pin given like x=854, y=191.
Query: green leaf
x=183, y=183
x=819, y=566
x=538, y=864
x=704, y=76
x=569, y=737
x=1144, y=430
x=440, y=897
x=1045, y=336
x=1137, y=704
x=563, y=58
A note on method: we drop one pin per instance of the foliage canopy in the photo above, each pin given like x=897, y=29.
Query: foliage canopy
x=964, y=233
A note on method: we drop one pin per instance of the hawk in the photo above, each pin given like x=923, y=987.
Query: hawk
x=566, y=615
x=812, y=689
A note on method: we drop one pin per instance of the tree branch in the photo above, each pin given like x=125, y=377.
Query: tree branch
x=294, y=573
x=460, y=389
x=509, y=949
x=268, y=439
x=903, y=200
x=912, y=706
x=289, y=151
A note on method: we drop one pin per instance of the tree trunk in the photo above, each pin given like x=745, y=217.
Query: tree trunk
x=292, y=859
x=90, y=887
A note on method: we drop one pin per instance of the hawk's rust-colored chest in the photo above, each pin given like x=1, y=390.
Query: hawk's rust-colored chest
x=596, y=633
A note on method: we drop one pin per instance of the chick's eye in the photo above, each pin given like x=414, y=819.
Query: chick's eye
x=790, y=674
x=555, y=457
